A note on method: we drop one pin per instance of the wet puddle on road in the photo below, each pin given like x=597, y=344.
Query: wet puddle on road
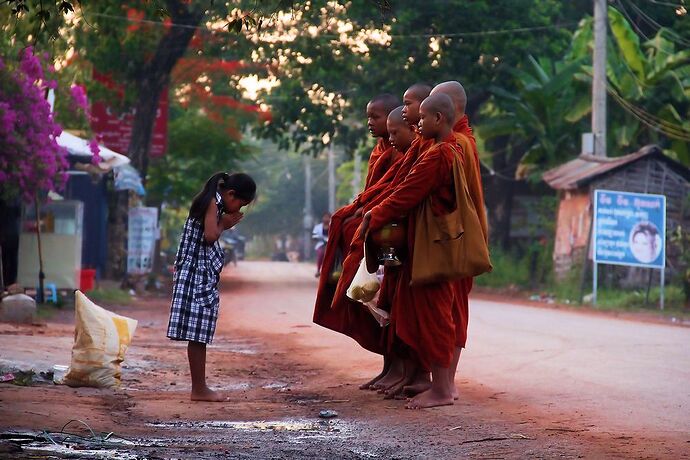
x=66, y=445
x=258, y=425
x=294, y=428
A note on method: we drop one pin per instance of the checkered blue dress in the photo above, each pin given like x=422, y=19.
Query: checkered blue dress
x=195, y=299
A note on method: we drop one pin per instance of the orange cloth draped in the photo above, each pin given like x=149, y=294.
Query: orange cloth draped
x=367, y=200
x=351, y=318
x=380, y=161
x=422, y=316
x=473, y=178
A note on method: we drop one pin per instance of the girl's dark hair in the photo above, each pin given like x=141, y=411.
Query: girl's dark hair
x=242, y=184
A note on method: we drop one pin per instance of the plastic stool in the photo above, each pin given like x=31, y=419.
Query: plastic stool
x=53, y=292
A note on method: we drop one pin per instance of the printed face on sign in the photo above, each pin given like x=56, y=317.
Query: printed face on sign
x=645, y=242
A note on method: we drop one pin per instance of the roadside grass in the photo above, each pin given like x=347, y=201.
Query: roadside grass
x=46, y=311
x=508, y=271
x=514, y=274
x=109, y=295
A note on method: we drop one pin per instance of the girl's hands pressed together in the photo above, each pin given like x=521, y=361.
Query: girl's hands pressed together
x=231, y=219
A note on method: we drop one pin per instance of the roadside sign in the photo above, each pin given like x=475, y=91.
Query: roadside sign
x=141, y=240
x=629, y=229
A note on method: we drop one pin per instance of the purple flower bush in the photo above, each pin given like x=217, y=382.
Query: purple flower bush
x=31, y=161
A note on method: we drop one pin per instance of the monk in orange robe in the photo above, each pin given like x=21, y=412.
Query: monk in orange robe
x=353, y=320
x=384, y=154
x=425, y=321
x=393, y=370
x=461, y=129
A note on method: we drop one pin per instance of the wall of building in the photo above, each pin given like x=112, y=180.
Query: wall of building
x=573, y=224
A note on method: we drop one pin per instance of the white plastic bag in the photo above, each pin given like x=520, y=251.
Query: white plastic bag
x=101, y=339
x=365, y=288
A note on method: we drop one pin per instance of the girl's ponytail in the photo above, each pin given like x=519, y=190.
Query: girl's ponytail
x=242, y=184
x=203, y=198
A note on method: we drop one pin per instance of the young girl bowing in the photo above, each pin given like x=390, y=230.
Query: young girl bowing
x=199, y=260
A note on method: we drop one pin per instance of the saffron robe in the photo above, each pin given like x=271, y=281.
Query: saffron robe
x=350, y=317
x=474, y=184
x=422, y=316
x=380, y=160
x=367, y=201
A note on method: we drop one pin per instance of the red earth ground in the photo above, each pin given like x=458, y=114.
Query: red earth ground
x=279, y=370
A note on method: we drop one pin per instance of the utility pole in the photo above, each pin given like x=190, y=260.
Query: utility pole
x=331, y=177
x=308, y=211
x=599, y=78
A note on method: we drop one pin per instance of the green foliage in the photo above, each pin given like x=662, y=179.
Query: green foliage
x=635, y=299
x=110, y=296
x=331, y=45
x=198, y=147
x=346, y=172
x=680, y=243
x=533, y=116
x=509, y=271
x=649, y=85
x=280, y=179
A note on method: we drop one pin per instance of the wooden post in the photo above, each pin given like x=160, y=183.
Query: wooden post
x=40, y=295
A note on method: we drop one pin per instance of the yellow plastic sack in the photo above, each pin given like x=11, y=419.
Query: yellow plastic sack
x=101, y=339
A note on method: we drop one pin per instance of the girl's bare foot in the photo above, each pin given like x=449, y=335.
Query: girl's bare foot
x=206, y=394
x=430, y=398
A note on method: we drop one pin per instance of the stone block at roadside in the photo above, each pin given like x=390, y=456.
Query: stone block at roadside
x=17, y=308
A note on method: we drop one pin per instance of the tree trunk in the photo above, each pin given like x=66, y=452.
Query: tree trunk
x=10, y=217
x=499, y=195
x=154, y=78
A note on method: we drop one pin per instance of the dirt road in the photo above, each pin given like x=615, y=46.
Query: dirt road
x=534, y=382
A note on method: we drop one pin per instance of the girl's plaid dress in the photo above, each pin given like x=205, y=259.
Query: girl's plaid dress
x=195, y=298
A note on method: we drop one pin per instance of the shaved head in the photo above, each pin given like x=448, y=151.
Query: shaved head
x=396, y=117
x=414, y=96
x=456, y=92
x=387, y=101
x=440, y=103
x=419, y=91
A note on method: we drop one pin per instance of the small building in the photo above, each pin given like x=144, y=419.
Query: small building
x=648, y=170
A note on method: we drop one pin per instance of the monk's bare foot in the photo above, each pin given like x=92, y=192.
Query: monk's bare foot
x=367, y=386
x=420, y=384
x=397, y=389
x=393, y=376
x=206, y=394
x=388, y=387
x=430, y=398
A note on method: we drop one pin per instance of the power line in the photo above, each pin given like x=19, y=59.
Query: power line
x=658, y=26
x=657, y=124
x=673, y=5
x=637, y=28
x=333, y=36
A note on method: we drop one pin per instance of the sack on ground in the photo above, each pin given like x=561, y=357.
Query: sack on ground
x=101, y=339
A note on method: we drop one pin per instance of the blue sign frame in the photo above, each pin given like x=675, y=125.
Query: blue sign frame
x=629, y=229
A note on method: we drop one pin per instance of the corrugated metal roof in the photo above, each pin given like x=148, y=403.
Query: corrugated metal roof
x=584, y=168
